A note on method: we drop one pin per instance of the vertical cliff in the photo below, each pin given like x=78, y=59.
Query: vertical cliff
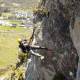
x=58, y=22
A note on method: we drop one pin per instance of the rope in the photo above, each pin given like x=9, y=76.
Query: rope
x=32, y=36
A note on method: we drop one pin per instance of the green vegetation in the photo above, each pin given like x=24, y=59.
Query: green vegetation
x=20, y=29
x=15, y=21
x=9, y=44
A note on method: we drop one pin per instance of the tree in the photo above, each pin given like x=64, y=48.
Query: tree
x=54, y=33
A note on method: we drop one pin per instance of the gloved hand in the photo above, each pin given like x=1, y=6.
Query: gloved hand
x=28, y=48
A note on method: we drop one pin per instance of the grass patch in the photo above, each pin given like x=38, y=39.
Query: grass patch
x=9, y=44
x=8, y=28
x=15, y=22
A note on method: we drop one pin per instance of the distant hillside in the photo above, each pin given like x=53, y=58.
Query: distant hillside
x=23, y=3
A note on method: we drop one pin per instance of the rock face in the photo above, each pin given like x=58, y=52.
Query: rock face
x=54, y=33
x=76, y=39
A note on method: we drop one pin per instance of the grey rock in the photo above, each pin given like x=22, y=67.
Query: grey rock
x=56, y=29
